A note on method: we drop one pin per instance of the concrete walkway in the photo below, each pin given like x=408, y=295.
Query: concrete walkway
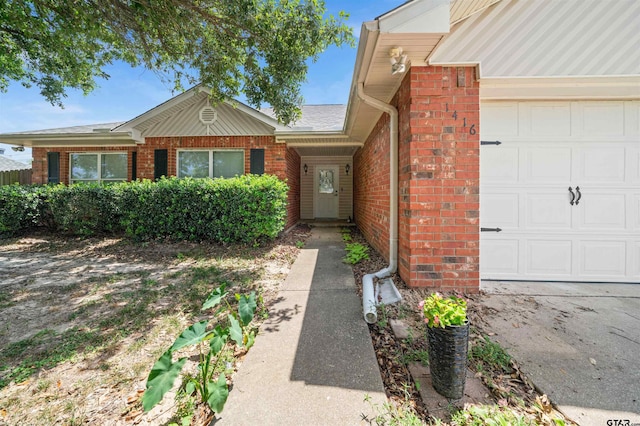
x=578, y=343
x=313, y=362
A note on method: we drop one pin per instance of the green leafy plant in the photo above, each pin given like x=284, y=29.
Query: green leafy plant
x=356, y=252
x=391, y=414
x=441, y=312
x=227, y=328
x=299, y=244
x=491, y=354
x=493, y=415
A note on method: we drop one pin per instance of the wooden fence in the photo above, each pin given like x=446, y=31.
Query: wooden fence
x=23, y=177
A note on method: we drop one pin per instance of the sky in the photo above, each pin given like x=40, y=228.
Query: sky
x=130, y=92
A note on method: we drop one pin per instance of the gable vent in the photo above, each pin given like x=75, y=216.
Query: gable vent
x=208, y=115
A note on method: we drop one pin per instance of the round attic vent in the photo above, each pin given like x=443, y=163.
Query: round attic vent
x=208, y=115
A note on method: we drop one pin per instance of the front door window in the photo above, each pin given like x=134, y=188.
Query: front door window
x=326, y=181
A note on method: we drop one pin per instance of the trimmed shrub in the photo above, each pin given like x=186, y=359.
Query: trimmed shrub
x=20, y=207
x=243, y=209
x=85, y=208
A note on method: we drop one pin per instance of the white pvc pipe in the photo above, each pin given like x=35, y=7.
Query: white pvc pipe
x=368, y=297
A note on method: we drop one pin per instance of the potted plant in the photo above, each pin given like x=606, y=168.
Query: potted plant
x=448, y=341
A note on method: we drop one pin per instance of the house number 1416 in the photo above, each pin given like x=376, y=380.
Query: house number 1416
x=472, y=129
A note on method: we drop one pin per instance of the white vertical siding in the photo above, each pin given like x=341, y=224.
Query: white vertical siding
x=541, y=38
x=345, y=208
x=184, y=120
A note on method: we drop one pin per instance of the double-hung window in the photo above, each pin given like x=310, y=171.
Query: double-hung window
x=210, y=163
x=98, y=167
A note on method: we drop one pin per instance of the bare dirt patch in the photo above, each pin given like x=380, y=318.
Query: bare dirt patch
x=83, y=320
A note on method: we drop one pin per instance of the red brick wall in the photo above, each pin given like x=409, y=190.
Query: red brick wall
x=40, y=166
x=371, y=187
x=439, y=179
x=293, y=180
x=278, y=160
x=274, y=155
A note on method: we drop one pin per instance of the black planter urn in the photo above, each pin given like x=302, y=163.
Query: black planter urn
x=448, y=359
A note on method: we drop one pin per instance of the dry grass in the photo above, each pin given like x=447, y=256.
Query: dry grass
x=83, y=321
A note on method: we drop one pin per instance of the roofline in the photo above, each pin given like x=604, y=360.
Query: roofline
x=35, y=140
x=369, y=33
x=192, y=92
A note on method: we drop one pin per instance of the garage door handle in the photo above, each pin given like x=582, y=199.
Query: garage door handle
x=490, y=229
x=573, y=196
x=579, y=194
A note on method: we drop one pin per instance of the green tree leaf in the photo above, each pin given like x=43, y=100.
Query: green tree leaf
x=235, y=331
x=247, y=307
x=260, y=47
x=161, y=379
x=218, y=393
x=191, y=336
x=215, y=298
x=218, y=340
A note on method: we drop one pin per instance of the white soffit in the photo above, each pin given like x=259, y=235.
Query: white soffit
x=325, y=151
x=417, y=17
x=544, y=38
x=462, y=9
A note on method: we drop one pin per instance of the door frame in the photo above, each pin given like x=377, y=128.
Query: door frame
x=336, y=185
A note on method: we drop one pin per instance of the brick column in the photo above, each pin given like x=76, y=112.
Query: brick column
x=439, y=165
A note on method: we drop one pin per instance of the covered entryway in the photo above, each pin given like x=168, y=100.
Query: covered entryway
x=563, y=188
x=326, y=189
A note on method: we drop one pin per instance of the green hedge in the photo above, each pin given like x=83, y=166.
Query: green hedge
x=243, y=209
x=20, y=207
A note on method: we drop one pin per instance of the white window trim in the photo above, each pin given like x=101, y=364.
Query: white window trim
x=99, y=154
x=210, y=151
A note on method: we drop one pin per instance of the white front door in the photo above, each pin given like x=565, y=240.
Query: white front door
x=326, y=194
x=564, y=189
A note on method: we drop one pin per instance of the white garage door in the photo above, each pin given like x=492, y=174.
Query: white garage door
x=564, y=189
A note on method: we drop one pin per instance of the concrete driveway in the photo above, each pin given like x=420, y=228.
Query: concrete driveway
x=579, y=343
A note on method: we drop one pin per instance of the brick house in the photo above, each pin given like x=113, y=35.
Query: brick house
x=494, y=139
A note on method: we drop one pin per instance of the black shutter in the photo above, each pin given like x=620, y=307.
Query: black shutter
x=160, y=163
x=53, y=167
x=256, y=161
x=134, y=165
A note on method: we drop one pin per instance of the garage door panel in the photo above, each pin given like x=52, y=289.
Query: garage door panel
x=500, y=256
x=548, y=210
x=600, y=211
x=634, y=260
x=550, y=119
x=500, y=119
x=545, y=164
x=602, y=258
x=635, y=212
x=604, y=119
x=605, y=164
x=548, y=147
x=500, y=165
x=501, y=210
x=549, y=257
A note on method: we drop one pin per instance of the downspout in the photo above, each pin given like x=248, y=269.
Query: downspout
x=368, y=296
